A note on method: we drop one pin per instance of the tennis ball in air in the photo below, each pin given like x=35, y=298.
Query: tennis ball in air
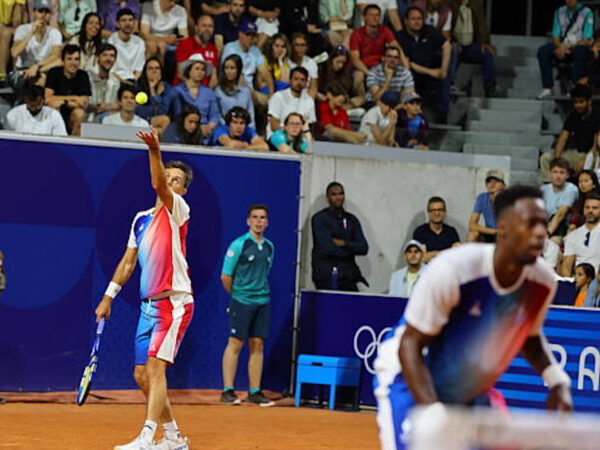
x=141, y=98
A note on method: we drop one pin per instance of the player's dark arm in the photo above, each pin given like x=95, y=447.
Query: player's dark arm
x=227, y=282
x=537, y=352
x=414, y=370
x=120, y=277
x=157, y=168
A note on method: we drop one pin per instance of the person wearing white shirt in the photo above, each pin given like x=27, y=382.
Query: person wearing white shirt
x=402, y=281
x=131, y=49
x=32, y=117
x=159, y=19
x=384, y=5
x=298, y=57
x=379, y=122
x=293, y=99
x=125, y=116
x=583, y=244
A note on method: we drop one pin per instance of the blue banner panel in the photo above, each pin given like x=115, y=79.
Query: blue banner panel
x=64, y=222
x=352, y=325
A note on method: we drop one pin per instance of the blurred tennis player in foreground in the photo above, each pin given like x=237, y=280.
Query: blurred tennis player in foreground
x=473, y=309
x=157, y=239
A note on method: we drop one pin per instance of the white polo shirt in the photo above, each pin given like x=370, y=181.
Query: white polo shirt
x=164, y=24
x=373, y=117
x=47, y=121
x=115, y=119
x=131, y=55
x=35, y=51
x=283, y=103
x=575, y=245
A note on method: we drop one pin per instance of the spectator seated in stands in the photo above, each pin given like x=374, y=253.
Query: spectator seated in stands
x=559, y=196
x=299, y=57
x=402, y=281
x=231, y=91
x=32, y=117
x=211, y=7
x=390, y=75
x=336, y=69
x=126, y=115
x=199, y=43
x=436, y=235
x=12, y=14
x=423, y=46
x=592, y=158
x=367, y=46
x=294, y=99
x=333, y=123
x=161, y=96
x=551, y=254
x=131, y=49
x=185, y=129
x=412, y=127
x=587, y=182
x=108, y=10
x=577, y=135
x=227, y=24
x=389, y=7
x=191, y=91
x=68, y=89
x=583, y=244
x=89, y=39
x=337, y=15
x=36, y=47
x=484, y=206
x=71, y=14
x=572, y=33
x=302, y=16
x=266, y=15
x=236, y=132
x=277, y=51
x=104, y=84
x=438, y=15
x=294, y=137
x=379, y=123
x=584, y=275
x=160, y=19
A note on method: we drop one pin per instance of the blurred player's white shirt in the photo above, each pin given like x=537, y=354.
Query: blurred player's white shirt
x=160, y=236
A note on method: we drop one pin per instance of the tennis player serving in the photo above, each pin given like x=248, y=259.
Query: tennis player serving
x=474, y=308
x=157, y=240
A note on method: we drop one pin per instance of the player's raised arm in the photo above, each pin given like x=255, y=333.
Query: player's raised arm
x=157, y=168
x=122, y=273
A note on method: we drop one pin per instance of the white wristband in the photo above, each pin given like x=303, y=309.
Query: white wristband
x=113, y=289
x=554, y=375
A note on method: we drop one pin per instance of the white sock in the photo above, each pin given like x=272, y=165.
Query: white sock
x=148, y=430
x=171, y=430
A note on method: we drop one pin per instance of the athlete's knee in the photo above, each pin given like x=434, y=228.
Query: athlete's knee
x=140, y=376
x=155, y=369
x=256, y=345
x=235, y=345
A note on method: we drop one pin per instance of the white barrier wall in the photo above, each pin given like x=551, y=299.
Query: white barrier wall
x=390, y=199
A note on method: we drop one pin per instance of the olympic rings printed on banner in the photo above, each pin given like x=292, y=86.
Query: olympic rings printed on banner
x=371, y=348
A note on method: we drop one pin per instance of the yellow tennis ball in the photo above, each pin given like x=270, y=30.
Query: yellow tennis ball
x=141, y=98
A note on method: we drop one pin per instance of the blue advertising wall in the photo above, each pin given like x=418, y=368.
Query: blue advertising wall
x=65, y=215
x=352, y=325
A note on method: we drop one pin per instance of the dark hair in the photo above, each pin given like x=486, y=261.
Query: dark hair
x=299, y=69
x=371, y=6
x=594, y=177
x=508, y=197
x=237, y=112
x=143, y=84
x=96, y=40
x=32, y=91
x=332, y=185
x=436, y=199
x=588, y=269
x=188, y=68
x=334, y=88
x=125, y=87
x=391, y=47
x=296, y=140
x=293, y=37
x=255, y=206
x=186, y=136
x=581, y=91
x=69, y=49
x=227, y=86
x=268, y=50
x=105, y=46
x=186, y=169
x=559, y=162
x=414, y=8
x=592, y=196
x=125, y=12
x=327, y=74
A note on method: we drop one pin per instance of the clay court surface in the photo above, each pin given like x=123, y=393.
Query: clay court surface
x=46, y=426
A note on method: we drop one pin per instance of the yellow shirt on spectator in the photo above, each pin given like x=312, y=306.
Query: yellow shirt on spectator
x=6, y=9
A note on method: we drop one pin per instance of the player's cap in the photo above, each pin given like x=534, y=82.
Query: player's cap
x=495, y=174
x=196, y=57
x=247, y=26
x=390, y=99
x=40, y=5
x=411, y=97
x=413, y=243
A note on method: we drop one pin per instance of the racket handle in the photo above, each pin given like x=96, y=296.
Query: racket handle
x=100, y=327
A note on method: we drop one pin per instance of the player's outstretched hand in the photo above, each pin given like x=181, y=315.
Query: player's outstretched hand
x=103, y=308
x=150, y=138
x=560, y=399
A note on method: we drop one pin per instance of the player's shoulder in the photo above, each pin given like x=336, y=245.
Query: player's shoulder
x=540, y=272
x=145, y=212
x=467, y=261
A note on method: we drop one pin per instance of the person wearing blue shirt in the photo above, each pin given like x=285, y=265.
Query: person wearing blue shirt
x=294, y=137
x=236, y=133
x=192, y=92
x=231, y=92
x=185, y=129
x=245, y=277
x=484, y=206
x=559, y=196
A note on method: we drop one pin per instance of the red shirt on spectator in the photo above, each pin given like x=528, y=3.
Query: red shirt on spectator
x=190, y=46
x=326, y=116
x=371, y=48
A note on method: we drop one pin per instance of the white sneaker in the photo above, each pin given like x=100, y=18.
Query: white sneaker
x=170, y=444
x=546, y=93
x=137, y=444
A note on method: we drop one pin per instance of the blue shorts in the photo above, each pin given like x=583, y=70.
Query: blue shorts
x=248, y=320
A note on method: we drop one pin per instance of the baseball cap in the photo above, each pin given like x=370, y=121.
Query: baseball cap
x=411, y=97
x=413, y=243
x=196, y=57
x=42, y=4
x=496, y=174
x=390, y=99
x=247, y=26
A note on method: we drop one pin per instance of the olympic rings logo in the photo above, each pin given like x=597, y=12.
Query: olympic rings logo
x=371, y=349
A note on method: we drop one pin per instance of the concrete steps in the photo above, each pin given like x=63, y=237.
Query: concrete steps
x=499, y=116
x=484, y=125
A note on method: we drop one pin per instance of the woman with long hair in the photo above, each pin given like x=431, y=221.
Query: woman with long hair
x=230, y=92
x=159, y=107
x=276, y=53
x=336, y=69
x=587, y=181
x=584, y=275
x=185, y=129
x=294, y=137
x=89, y=39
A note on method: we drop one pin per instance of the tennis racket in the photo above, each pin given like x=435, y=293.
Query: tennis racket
x=88, y=372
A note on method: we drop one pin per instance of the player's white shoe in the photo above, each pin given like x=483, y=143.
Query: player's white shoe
x=172, y=444
x=137, y=444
